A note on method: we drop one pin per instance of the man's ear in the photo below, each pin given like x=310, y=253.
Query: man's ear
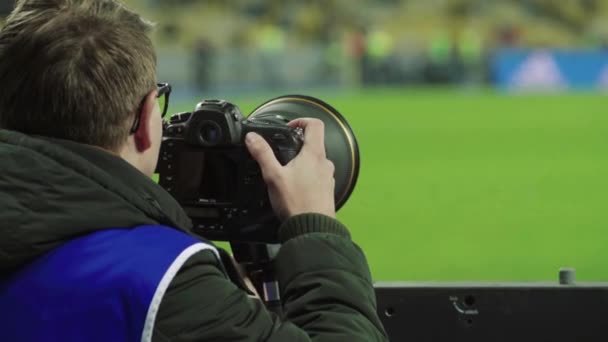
x=143, y=135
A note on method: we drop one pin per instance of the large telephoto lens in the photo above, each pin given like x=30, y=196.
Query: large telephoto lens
x=340, y=142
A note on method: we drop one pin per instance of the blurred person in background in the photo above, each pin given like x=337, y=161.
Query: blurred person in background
x=202, y=63
x=91, y=249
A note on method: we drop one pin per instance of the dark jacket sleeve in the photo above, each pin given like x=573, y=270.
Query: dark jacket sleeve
x=325, y=284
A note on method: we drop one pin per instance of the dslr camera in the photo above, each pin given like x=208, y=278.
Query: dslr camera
x=205, y=165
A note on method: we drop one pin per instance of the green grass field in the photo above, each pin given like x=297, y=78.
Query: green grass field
x=475, y=185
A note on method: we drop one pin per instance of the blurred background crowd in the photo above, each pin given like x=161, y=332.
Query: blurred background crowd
x=240, y=45
x=247, y=44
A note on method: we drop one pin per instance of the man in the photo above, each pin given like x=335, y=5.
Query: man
x=92, y=250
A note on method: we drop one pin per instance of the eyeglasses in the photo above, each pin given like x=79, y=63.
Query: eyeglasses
x=163, y=90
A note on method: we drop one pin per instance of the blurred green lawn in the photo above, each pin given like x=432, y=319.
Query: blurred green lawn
x=476, y=185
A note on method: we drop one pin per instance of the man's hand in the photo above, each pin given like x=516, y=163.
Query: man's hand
x=306, y=184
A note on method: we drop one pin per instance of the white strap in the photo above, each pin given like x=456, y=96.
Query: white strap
x=164, y=284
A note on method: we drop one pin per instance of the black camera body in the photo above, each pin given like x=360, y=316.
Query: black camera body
x=205, y=165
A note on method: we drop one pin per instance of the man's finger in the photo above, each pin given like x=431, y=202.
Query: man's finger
x=314, y=133
x=262, y=153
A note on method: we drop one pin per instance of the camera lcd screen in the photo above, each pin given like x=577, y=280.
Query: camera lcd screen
x=206, y=175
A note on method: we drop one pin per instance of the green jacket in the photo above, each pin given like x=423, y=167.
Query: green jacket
x=53, y=190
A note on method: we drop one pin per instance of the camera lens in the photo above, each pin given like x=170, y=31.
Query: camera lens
x=211, y=133
x=340, y=142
